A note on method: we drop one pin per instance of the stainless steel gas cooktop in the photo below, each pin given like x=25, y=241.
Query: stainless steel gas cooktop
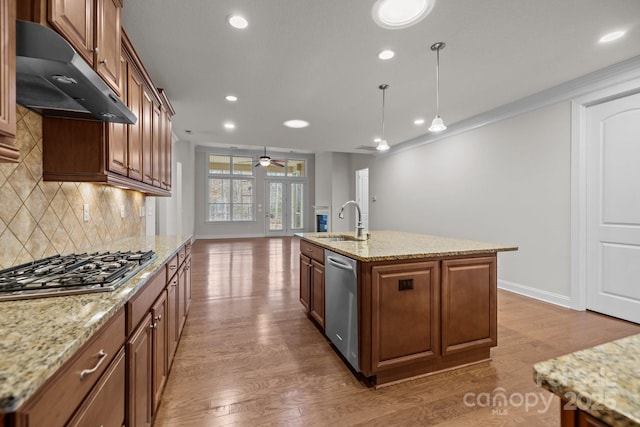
x=72, y=274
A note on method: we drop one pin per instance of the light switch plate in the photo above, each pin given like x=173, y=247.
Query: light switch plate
x=123, y=211
x=141, y=213
x=85, y=212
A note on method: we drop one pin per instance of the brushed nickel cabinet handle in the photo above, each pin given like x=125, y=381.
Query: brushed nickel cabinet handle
x=172, y=267
x=101, y=357
x=104, y=62
x=159, y=317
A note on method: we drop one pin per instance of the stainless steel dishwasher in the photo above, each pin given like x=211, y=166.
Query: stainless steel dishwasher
x=341, y=304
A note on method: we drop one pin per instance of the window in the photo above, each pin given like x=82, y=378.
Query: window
x=230, y=189
x=293, y=168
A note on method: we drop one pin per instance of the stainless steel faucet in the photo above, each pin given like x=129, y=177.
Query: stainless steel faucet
x=359, y=226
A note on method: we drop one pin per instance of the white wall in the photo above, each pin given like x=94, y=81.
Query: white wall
x=508, y=182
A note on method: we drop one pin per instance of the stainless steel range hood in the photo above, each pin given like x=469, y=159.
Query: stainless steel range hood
x=54, y=80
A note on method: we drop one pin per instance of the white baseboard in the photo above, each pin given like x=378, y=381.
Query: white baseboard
x=527, y=291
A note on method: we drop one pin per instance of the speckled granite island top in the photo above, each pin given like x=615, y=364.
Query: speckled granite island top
x=397, y=245
x=603, y=380
x=38, y=335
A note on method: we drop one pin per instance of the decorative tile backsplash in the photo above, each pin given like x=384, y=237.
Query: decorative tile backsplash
x=39, y=219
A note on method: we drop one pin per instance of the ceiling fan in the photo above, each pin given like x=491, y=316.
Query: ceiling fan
x=265, y=160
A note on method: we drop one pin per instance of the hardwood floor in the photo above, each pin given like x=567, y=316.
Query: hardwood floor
x=250, y=356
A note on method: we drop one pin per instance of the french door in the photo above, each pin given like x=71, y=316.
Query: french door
x=284, y=207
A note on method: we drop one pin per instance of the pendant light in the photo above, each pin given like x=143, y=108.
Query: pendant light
x=437, y=125
x=382, y=145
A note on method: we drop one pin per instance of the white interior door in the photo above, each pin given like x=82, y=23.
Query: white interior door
x=613, y=208
x=362, y=195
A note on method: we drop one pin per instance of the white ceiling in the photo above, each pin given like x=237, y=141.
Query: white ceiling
x=317, y=60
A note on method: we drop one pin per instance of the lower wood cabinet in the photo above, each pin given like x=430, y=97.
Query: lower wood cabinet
x=312, y=281
x=139, y=374
x=305, y=281
x=405, y=306
x=110, y=389
x=469, y=304
x=160, y=349
x=172, y=317
x=316, y=307
x=93, y=367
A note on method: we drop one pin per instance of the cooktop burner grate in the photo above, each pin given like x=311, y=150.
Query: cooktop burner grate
x=72, y=274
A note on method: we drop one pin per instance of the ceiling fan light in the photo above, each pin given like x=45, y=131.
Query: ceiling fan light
x=382, y=145
x=264, y=161
x=437, y=125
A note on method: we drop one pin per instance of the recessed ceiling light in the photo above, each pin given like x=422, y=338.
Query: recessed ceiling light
x=296, y=123
x=386, y=54
x=395, y=14
x=376, y=140
x=615, y=35
x=229, y=126
x=238, y=21
x=418, y=122
x=231, y=98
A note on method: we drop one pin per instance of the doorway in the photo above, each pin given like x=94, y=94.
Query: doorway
x=284, y=207
x=607, y=220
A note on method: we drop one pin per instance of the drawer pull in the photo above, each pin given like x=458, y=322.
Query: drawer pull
x=158, y=318
x=172, y=267
x=101, y=357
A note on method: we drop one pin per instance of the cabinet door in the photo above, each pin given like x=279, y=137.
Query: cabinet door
x=147, y=137
x=404, y=314
x=139, y=374
x=317, y=292
x=8, y=81
x=74, y=20
x=108, y=44
x=168, y=152
x=187, y=286
x=135, y=90
x=305, y=281
x=172, y=317
x=160, y=348
x=469, y=312
x=105, y=405
x=157, y=147
x=182, y=299
x=118, y=135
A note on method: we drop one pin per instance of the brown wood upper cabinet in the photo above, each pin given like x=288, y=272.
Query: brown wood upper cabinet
x=8, y=152
x=134, y=156
x=91, y=26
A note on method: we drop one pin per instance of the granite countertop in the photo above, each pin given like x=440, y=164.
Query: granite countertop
x=603, y=380
x=38, y=335
x=398, y=245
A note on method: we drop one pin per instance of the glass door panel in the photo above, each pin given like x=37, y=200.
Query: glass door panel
x=297, y=205
x=275, y=214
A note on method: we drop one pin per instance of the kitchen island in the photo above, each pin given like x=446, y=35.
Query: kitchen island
x=597, y=386
x=53, y=350
x=424, y=303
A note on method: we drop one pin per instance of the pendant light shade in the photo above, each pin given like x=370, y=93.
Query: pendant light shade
x=383, y=145
x=437, y=125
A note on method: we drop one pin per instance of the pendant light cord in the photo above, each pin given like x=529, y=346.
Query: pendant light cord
x=383, y=91
x=438, y=81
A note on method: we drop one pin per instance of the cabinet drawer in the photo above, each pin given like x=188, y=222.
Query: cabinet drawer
x=105, y=405
x=172, y=267
x=140, y=304
x=58, y=399
x=312, y=251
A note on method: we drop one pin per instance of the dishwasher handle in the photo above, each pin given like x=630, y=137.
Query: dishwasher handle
x=336, y=263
